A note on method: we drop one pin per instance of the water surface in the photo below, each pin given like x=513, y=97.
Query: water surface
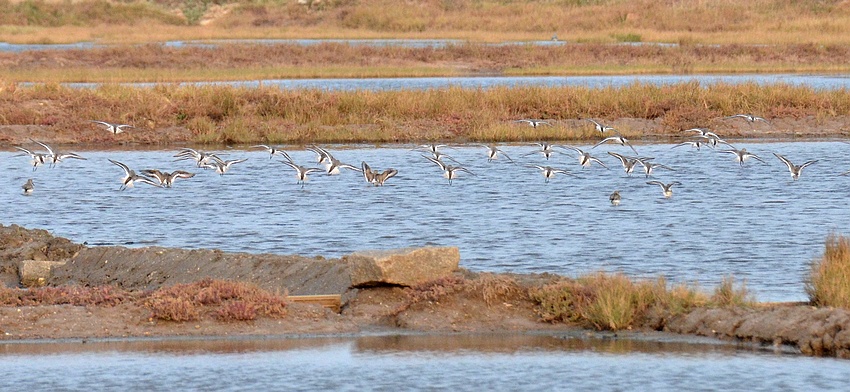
x=394, y=363
x=752, y=222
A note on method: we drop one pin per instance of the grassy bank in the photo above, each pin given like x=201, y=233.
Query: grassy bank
x=215, y=114
x=712, y=21
x=157, y=63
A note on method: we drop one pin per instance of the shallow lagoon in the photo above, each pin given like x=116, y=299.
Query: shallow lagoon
x=751, y=222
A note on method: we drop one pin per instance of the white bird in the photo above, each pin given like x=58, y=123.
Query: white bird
x=55, y=156
x=742, y=155
x=36, y=158
x=795, y=170
x=749, y=117
x=601, y=128
x=301, y=172
x=113, y=127
x=649, y=166
x=272, y=150
x=131, y=177
x=322, y=155
x=549, y=171
x=534, y=123
x=703, y=132
x=28, y=187
x=629, y=163
x=201, y=158
x=166, y=179
x=619, y=139
x=584, y=157
x=222, y=166
x=545, y=149
x=449, y=171
x=693, y=143
x=493, y=153
x=332, y=167
x=667, y=189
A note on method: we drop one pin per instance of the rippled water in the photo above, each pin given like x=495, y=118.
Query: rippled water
x=822, y=82
x=752, y=222
x=412, y=362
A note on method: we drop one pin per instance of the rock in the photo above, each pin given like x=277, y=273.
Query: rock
x=36, y=273
x=405, y=267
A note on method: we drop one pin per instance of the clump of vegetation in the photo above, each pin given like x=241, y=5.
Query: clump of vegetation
x=612, y=302
x=224, y=300
x=486, y=286
x=829, y=279
x=726, y=294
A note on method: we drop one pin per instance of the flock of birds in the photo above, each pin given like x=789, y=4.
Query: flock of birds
x=432, y=153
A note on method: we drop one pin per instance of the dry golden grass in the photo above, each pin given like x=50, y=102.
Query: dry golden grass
x=156, y=63
x=612, y=302
x=829, y=279
x=685, y=21
x=218, y=114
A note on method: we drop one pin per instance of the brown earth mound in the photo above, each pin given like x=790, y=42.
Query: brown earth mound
x=481, y=303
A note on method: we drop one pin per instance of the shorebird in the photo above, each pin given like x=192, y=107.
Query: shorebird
x=56, y=157
x=36, y=158
x=742, y=155
x=130, y=177
x=584, y=158
x=549, y=171
x=693, y=143
x=222, y=166
x=28, y=187
x=112, y=127
x=201, y=158
x=534, y=123
x=703, y=132
x=432, y=148
x=332, y=167
x=667, y=189
x=794, y=169
x=301, y=172
x=545, y=149
x=375, y=178
x=615, y=198
x=272, y=150
x=322, y=155
x=493, y=153
x=449, y=171
x=649, y=166
x=749, y=117
x=629, y=163
x=619, y=139
x=601, y=128
x=166, y=179
x=713, y=141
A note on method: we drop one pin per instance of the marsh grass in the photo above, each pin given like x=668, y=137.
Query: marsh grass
x=829, y=279
x=687, y=21
x=158, y=63
x=612, y=301
x=221, y=114
x=728, y=294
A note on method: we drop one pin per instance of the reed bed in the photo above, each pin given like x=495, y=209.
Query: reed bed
x=829, y=279
x=158, y=63
x=218, y=114
x=712, y=21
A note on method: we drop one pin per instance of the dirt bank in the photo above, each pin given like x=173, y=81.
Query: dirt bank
x=502, y=305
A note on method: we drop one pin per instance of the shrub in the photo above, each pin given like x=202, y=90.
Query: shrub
x=829, y=279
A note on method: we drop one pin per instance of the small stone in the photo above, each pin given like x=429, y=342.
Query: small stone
x=36, y=273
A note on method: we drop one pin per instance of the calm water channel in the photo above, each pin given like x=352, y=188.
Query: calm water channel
x=752, y=222
x=458, y=363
